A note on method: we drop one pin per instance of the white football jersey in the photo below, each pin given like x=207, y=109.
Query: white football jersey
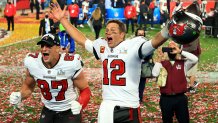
x=121, y=70
x=57, y=91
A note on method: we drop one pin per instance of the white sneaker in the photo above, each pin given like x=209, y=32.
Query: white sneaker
x=81, y=26
x=191, y=90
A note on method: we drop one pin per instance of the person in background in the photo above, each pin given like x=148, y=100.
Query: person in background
x=141, y=32
x=42, y=3
x=9, y=13
x=85, y=10
x=173, y=99
x=163, y=12
x=108, y=4
x=118, y=3
x=136, y=3
x=66, y=42
x=194, y=48
x=45, y=25
x=31, y=5
x=130, y=15
x=119, y=58
x=62, y=3
x=73, y=10
x=103, y=10
x=57, y=76
x=143, y=14
x=97, y=20
x=151, y=13
x=37, y=9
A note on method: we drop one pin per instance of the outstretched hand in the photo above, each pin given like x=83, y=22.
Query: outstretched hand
x=57, y=12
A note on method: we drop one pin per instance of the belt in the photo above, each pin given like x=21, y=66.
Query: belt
x=172, y=94
x=67, y=111
x=122, y=107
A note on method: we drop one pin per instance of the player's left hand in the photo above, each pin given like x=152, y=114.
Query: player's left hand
x=76, y=107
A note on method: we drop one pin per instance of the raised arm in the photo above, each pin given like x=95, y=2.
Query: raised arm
x=58, y=14
x=160, y=37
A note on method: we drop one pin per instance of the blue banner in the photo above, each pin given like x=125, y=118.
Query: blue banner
x=115, y=13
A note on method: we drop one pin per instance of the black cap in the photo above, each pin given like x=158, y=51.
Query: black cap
x=49, y=39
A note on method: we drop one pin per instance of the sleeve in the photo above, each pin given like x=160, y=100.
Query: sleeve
x=26, y=59
x=156, y=69
x=30, y=61
x=78, y=65
x=89, y=45
x=191, y=60
x=146, y=49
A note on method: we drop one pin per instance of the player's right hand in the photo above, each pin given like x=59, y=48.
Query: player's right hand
x=15, y=98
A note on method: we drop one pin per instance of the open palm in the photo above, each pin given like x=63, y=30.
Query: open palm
x=57, y=12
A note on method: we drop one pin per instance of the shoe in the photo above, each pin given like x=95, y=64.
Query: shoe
x=81, y=26
x=195, y=84
x=191, y=90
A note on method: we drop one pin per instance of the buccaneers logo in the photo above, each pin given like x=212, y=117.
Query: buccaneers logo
x=102, y=48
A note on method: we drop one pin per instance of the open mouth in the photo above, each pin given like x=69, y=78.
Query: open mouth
x=109, y=39
x=45, y=54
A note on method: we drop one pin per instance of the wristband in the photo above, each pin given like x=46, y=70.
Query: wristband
x=165, y=32
x=84, y=97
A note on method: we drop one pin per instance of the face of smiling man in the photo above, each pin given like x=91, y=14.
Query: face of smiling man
x=114, y=35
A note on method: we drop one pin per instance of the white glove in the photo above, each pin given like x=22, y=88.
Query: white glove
x=15, y=98
x=76, y=107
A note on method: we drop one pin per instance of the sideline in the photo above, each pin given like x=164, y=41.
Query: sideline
x=19, y=42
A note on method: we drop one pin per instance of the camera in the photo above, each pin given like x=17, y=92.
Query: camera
x=167, y=49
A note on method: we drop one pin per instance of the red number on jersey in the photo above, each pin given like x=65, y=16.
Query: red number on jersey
x=45, y=90
x=114, y=73
x=34, y=55
x=43, y=85
x=69, y=57
x=64, y=86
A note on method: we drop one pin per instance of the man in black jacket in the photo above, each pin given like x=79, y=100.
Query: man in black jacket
x=45, y=25
x=143, y=14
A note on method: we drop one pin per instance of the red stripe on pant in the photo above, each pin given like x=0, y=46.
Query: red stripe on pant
x=139, y=115
x=131, y=114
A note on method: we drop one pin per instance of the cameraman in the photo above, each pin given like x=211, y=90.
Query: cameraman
x=173, y=98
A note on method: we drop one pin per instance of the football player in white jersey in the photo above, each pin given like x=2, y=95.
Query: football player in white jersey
x=121, y=66
x=57, y=75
